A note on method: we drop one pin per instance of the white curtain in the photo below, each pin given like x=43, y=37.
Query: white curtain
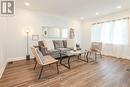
x=114, y=36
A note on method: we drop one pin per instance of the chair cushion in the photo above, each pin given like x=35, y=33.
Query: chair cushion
x=40, y=56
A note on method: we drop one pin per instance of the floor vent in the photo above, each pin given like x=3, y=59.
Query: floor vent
x=128, y=70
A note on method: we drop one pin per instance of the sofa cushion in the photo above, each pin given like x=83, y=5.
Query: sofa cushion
x=71, y=43
x=49, y=44
x=58, y=44
x=65, y=43
x=54, y=53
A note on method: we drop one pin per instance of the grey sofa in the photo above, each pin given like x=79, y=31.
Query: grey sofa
x=55, y=53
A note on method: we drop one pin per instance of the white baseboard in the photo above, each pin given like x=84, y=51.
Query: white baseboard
x=17, y=59
x=128, y=58
x=3, y=68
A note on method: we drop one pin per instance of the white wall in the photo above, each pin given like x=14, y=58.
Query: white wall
x=16, y=36
x=13, y=36
x=86, y=31
x=2, y=45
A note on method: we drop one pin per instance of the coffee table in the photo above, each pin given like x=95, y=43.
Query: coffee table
x=70, y=54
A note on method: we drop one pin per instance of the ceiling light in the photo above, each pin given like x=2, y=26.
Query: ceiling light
x=119, y=7
x=27, y=3
x=81, y=18
x=97, y=13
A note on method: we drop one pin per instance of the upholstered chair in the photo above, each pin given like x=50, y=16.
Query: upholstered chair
x=96, y=48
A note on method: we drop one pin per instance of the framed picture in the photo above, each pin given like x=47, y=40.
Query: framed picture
x=35, y=37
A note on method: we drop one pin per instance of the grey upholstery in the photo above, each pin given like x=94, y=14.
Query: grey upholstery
x=58, y=45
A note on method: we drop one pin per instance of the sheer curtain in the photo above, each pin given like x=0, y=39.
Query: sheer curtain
x=120, y=33
x=114, y=36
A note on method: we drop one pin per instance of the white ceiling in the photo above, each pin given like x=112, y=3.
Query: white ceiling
x=76, y=8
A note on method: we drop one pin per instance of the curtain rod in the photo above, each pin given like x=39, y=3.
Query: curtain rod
x=110, y=20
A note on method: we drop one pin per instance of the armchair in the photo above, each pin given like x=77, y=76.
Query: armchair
x=96, y=48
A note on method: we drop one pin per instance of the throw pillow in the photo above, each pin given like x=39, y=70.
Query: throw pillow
x=49, y=44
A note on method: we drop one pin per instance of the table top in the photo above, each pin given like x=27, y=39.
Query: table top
x=72, y=52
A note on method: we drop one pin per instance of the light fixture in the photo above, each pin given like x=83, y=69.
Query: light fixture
x=119, y=7
x=81, y=18
x=97, y=13
x=27, y=32
x=27, y=3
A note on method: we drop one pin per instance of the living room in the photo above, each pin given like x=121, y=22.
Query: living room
x=78, y=22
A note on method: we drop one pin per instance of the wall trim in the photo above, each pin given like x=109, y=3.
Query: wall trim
x=108, y=55
x=3, y=68
x=15, y=59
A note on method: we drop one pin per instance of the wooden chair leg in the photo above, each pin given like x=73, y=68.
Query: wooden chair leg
x=35, y=65
x=87, y=56
x=57, y=68
x=40, y=73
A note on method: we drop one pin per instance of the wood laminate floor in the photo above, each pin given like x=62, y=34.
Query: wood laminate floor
x=108, y=72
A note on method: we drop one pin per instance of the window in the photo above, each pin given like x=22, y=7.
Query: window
x=114, y=32
x=64, y=33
